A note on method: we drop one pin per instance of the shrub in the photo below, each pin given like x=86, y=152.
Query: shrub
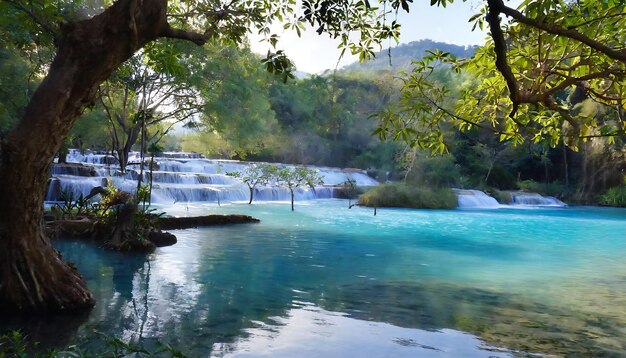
x=403, y=196
x=615, y=196
x=503, y=197
x=555, y=189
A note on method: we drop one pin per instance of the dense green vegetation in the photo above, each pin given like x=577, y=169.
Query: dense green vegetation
x=615, y=196
x=401, y=195
x=238, y=110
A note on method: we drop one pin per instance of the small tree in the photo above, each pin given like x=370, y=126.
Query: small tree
x=350, y=190
x=255, y=174
x=296, y=177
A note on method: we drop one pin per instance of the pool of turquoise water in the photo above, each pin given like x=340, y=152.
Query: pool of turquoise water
x=326, y=280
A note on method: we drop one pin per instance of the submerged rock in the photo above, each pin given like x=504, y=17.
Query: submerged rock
x=161, y=239
x=170, y=223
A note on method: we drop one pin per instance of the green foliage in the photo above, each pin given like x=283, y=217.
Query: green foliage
x=73, y=207
x=435, y=172
x=565, y=90
x=295, y=177
x=254, y=175
x=615, y=196
x=234, y=90
x=348, y=190
x=15, y=344
x=555, y=189
x=406, y=196
x=15, y=87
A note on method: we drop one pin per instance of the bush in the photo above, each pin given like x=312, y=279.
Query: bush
x=555, y=189
x=503, y=197
x=402, y=196
x=615, y=196
x=348, y=190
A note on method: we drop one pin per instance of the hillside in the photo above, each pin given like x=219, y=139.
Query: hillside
x=402, y=55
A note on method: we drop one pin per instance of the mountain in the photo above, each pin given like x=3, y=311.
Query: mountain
x=402, y=55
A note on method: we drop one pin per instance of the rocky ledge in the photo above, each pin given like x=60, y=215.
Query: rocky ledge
x=90, y=228
x=171, y=223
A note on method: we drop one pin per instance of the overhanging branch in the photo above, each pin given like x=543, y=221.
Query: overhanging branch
x=499, y=44
x=46, y=26
x=195, y=37
x=558, y=30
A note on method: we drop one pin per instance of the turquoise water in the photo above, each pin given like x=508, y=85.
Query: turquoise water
x=328, y=281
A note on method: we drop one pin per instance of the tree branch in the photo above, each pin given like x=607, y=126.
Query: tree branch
x=568, y=81
x=37, y=19
x=499, y=7
x=499, y=44
x=197, y=38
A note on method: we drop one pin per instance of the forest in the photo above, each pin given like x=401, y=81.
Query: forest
x=230, y=107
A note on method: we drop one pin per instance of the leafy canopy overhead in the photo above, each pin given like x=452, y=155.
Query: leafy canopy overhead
x=551, y=71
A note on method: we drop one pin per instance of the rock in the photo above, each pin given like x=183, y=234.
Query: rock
x=161, y=239
x=75, y=169
x=54, y=190
x=165, y=223
x=71, y=228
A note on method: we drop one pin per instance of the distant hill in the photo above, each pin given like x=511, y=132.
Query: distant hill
x=402, y=55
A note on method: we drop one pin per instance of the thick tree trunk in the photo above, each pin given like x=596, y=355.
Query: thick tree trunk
x=33, y=276
x=251, y=194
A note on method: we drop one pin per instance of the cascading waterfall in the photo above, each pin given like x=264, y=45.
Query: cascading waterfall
x=533, y=199
x=475, y=199
x=187, y=177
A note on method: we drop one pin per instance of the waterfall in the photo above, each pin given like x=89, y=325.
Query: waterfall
x=475, y=199
x=534, y=199
x=186, y=177
x=478, y=200
x=75, y=186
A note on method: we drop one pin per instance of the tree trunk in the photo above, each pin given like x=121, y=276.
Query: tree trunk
x=251, y=194
x=33, y=276
x=565, y=167
x=63, y=153
x=291, y=190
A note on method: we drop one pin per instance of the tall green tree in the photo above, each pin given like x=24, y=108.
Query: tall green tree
x=234, y=88
x=145, y=98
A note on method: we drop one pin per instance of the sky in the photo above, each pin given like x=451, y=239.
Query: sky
x=313, y=53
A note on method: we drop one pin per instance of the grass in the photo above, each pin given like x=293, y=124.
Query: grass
x=398, y=195
x=615, y=196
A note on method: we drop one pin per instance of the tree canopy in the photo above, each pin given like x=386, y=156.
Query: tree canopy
x=551, y=71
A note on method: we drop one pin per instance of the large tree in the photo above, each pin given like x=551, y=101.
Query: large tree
x=33, y=276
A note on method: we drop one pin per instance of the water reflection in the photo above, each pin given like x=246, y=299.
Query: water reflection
x=530, y=282
x=307, y=330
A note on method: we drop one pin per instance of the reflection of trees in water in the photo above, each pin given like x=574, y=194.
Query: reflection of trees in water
x=236, y=276
x=500, y=318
